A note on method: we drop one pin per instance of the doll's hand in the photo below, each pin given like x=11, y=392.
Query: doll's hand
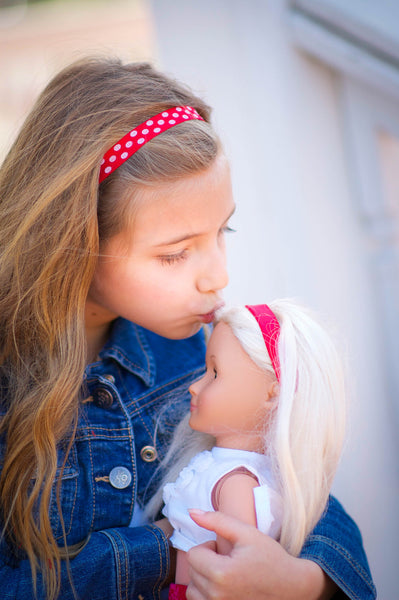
x=165, y=526
x=257, y=567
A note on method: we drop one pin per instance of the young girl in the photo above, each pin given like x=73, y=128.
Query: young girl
x=114, y=203
x=273, y=403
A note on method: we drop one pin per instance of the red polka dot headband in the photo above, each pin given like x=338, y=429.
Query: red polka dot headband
x=140, y=135
x=270, y=329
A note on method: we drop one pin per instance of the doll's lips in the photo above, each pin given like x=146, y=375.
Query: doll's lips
x=209, y=317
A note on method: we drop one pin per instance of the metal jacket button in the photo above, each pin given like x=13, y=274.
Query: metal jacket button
x=148, y=453
x=103, y=398
x=110, y=378
x=120, y=478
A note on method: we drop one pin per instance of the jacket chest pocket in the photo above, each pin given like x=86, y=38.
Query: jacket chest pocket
x=64, y=497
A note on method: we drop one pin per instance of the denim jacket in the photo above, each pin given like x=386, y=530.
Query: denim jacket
x=133, y=397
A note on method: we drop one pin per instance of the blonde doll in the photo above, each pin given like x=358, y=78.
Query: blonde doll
x=273, y=400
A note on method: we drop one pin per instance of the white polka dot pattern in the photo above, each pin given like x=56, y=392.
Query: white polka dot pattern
x=135, y=139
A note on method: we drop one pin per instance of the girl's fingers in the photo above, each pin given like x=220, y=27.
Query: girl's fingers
x=227, y=527
x=200, y=558
x=197, y=588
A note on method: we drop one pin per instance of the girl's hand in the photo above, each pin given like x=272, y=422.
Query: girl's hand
x=257, y=567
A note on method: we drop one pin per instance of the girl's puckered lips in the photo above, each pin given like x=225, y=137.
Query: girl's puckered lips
x=209, y=317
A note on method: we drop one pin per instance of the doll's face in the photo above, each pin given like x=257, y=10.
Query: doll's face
x=234, y=397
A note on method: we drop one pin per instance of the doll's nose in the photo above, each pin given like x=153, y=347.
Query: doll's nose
x=194, y=387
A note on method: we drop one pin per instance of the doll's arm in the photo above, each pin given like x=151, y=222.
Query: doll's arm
x=235, y=497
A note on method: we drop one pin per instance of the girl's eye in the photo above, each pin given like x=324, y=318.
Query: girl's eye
x=215, y=373
x=171, y=259
x=227, y=229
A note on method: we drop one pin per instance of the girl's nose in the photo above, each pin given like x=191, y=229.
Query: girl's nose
x=213, y=275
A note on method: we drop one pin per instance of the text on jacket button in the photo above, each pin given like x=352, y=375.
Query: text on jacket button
x=148, y=453
x=103, y=398
x=120, y=478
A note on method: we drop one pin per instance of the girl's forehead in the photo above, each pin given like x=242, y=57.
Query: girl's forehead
x=170, y=213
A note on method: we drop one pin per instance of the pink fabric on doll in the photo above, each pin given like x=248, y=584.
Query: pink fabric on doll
x=177, y=591
x=270, y=329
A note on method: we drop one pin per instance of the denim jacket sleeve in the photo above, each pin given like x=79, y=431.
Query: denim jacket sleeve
x=121, y=563
x=336, y=546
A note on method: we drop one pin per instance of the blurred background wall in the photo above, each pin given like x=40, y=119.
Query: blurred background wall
x=306, y=99
x=38, y=38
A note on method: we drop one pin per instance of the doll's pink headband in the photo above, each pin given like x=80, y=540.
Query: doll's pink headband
x=270, y=329
x=140, y=135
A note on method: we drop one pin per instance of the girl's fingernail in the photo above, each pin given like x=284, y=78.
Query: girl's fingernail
x=196, y=512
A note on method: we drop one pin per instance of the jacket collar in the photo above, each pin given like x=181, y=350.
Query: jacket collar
x=129, y=346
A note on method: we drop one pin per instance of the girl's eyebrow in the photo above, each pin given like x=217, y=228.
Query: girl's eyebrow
x=189, y=236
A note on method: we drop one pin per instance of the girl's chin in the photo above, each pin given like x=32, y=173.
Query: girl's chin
x=186, y=332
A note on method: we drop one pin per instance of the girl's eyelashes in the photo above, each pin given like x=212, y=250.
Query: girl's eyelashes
x=171, y=259
x=228, y=229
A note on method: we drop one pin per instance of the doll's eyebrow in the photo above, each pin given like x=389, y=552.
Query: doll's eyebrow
x=190, y=236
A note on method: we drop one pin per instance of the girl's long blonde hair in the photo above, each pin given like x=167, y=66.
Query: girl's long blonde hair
x=53, y=220
x=305, y=433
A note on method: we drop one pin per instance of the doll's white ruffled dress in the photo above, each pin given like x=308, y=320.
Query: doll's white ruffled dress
x=195, y=483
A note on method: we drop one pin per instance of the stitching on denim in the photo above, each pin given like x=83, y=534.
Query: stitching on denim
x=157, y=531
x=85, y=433
x=121, y=357
x=70, y=520
x=73, y=456
x=146, y=348
x=137, y=412
x=169, y=383
x=343, y=552
x=134, y=468
x=73, y=508
x=101, y=436
x=117, y=559
x=125, y=553
x=154, y=394
x=93, y=484
x=334, y=576
x=123, y=430
x=100, y=428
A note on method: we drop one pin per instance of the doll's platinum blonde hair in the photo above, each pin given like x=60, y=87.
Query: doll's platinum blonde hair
x=305, y=435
